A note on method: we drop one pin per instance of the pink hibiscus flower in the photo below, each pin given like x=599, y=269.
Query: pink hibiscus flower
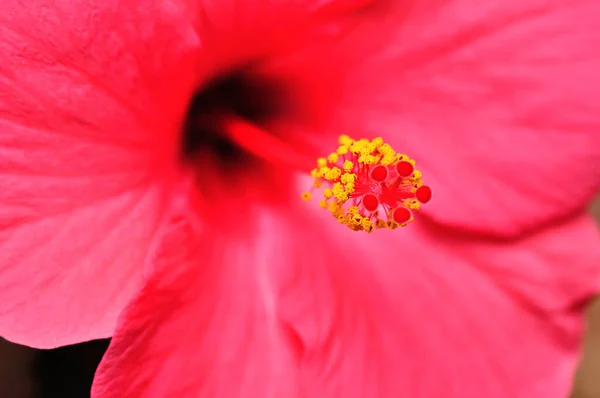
x=111, y=182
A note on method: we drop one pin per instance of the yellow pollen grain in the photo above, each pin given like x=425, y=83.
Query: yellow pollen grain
x=388, y=159
x=348, y=178
x=323, y=204
x=356, y=219
x=339, y=192
x=348, y=166
x=318, y=183
x=412, y=204
x=333, y=207
x=385, y=149
x=380, y=224
x=378, y=141
x=321, y=162
x=342, y=150
x=333, y=157
x=342, y=197
x=323, y=171
x=333, y=174
x=306, y=196
x=345, y=140
x=367, y=159
x=327, y=193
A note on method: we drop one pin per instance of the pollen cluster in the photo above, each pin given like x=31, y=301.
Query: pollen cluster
x=366, y=185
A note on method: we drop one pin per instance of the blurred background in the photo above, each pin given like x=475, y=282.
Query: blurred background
x=68, y=372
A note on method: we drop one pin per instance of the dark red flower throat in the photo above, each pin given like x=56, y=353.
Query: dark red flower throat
x=236, y=95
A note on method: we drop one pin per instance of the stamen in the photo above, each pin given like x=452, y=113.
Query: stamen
x=382, y=187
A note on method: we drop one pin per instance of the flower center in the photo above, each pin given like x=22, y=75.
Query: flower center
x=383, y=187
x=236, y=96
x=228, y=120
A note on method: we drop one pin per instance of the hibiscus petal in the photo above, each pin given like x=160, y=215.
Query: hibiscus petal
x=205, y=323
x=86, y=147
x=496, y=101
x=427, y=314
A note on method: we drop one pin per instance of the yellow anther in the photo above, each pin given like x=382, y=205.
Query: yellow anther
x=377, y=141
x=358, y=147
x=385, y=149
x=345, y=140
x=321, y=162
x=412, y=204
x=333, y=157
x=348, y=166
x=342, y=219
x=365, y=222
x=306, y=196
x=348, y=178
x=333, y=174
x=387, y=159
x=367, y=159
x=339, y=192
x=334, y=208
x=353, y=210
x=318, y=183
x=417, y=184
x=342, y=150
x=416, y=175
x=327, y=193
x=314, y=173
x=323, y=171
x=323, y=204
x=349, y=187
x=370, y=147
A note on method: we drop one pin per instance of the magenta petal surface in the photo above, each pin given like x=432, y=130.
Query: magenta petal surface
x=323, y=313
x=432, y=315
x=205, y=324
x=86, y=145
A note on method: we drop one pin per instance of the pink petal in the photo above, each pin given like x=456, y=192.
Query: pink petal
x=238, y=312
x=86, y=146
x=422, y=313
x=497, y=102
x=205, y=324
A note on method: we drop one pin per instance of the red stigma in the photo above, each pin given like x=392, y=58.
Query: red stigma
x=379, y=173
x=423, y=194
x=402, y=215
x=405, y=169
x=370, y=202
